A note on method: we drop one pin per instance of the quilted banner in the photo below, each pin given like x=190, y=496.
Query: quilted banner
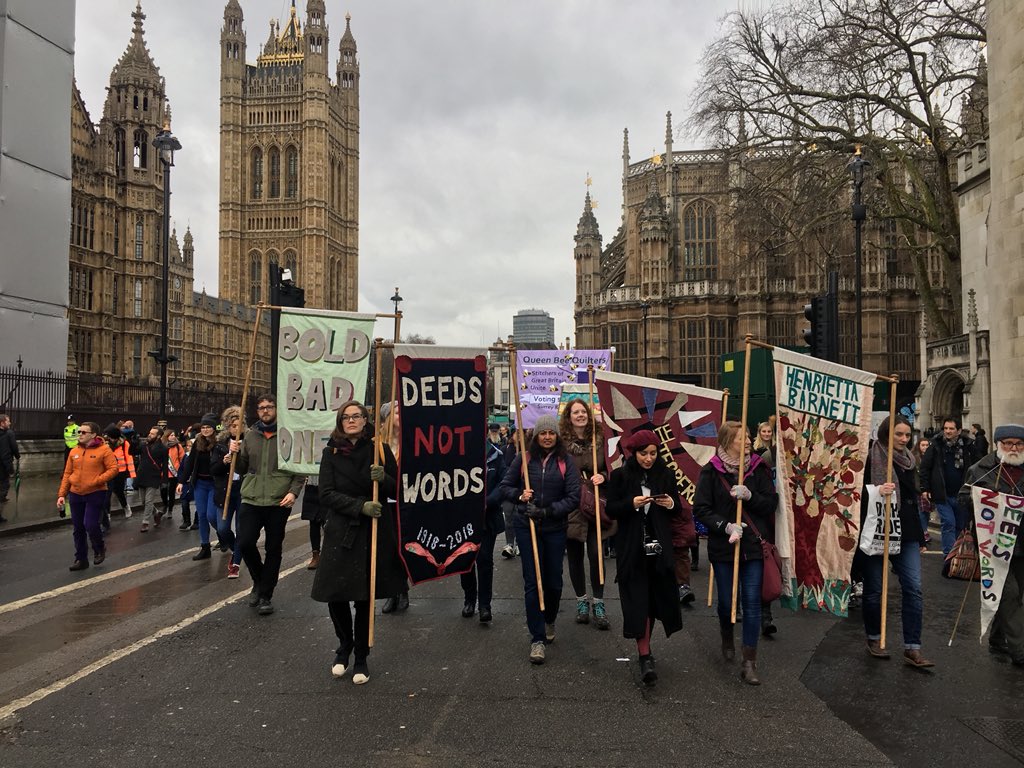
x=824, y=424
x=441, y=461
x=997, y=518
x=541, y=374
x=684, y=417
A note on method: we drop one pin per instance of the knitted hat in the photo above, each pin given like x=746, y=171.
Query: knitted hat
x=1009, y=432
x=545, y=423
x=209, y=420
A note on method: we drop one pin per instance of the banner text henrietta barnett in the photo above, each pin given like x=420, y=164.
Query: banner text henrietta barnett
x=820, y=394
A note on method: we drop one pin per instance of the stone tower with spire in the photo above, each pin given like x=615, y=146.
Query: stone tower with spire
x=117, y=217
x=588, y=264
x=289, y=140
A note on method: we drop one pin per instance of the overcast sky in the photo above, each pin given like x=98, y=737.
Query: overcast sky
x=480, y=121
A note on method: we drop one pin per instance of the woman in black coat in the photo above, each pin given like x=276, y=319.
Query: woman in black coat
x=347, y=473
x=643, y=497
x=714, y=504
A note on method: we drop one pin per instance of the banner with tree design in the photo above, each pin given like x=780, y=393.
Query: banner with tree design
x=824, y=425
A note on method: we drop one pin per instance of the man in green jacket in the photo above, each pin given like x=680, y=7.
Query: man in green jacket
x=268, y=495
x=70, y=436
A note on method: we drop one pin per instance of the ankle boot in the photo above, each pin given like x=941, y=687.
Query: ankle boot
x=749, y=672
x=186, y=518
x=728, y=644
x=203, y=553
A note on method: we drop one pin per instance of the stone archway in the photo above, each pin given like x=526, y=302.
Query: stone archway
x=948, y=396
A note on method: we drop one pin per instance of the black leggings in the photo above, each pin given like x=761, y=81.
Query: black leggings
x=351, y=638
x=574, y=551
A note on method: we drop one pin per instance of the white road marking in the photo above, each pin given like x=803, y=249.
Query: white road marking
x=33, y=599
x=15, y=706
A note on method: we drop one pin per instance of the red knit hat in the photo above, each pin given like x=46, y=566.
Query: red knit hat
x=639, y=440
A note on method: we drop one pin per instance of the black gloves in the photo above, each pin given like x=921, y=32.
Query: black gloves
x=535, y=513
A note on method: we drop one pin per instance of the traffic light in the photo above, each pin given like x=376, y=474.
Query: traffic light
x=812, y=336
x=823, y=335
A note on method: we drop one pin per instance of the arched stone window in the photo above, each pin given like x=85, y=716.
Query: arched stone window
x=255, y=277
x=292, y=173
x=256, y=169
x=274, y=156
x=700, y=242
x=140, y=154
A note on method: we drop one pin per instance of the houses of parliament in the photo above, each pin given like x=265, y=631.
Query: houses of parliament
x=689, y=272
x=289, y=196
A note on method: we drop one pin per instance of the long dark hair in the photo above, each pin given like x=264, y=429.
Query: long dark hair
x=339, y=431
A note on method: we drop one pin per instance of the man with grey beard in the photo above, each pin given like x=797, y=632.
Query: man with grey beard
x=1003, y=471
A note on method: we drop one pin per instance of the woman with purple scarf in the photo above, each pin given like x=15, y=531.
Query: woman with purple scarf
x=907, y=564
x=719, y=486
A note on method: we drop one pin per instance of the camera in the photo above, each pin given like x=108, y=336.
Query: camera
x=652, y=547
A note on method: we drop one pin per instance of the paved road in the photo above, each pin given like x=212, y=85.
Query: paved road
x=156, y=658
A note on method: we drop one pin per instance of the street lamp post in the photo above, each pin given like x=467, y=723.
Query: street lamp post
x=645, y=305
x=166, y=145
x=857, y=166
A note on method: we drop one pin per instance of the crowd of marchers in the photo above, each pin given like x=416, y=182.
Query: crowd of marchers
x=541, y=485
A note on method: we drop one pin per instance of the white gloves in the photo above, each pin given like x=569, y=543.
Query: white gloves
x=735, y=531
x=740, y=492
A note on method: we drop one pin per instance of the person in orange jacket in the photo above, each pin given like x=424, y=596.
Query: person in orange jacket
x=90, y=466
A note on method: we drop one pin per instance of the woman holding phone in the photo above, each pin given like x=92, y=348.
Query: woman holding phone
x=642, y=497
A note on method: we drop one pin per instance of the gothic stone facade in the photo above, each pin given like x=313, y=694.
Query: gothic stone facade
x=289, y=183
x=680, y=283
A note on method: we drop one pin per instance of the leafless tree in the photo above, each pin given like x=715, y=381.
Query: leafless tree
x=889, y=75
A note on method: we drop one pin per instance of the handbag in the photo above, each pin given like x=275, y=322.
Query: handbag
x=771, y=581
x=872, y=532
x=587, y=500
x=962, y=561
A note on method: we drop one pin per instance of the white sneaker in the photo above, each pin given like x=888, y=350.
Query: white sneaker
x=360, y=674
x=508, y=552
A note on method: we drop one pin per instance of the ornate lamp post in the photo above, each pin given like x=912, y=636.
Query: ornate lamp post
x=857, y=166
x=166, y=145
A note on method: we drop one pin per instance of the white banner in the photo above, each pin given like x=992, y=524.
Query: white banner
x=997, y=517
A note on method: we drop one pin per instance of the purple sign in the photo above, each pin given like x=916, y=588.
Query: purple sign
x=541, y=374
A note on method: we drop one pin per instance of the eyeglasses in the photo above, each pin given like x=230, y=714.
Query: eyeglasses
x=352, y=417
x=84, y=432
x=1012, y=445
x=265, y=407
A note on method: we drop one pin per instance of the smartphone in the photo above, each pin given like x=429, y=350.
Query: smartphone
x=661, y=496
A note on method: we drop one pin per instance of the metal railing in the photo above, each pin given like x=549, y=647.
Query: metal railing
x=39, y=402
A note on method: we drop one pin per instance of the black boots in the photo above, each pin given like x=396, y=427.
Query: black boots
x=186, y=517
x=749, y=672
x=728, y=644
x=396, y=604
x=768, y=627
x=203, y=553
x=647, y=672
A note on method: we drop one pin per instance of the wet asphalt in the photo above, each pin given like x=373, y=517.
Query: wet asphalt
x=231, y=688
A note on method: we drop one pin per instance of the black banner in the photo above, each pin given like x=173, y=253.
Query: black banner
x=442, y=464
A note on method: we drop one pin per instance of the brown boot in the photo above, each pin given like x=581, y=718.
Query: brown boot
x=728, y=644
x=749, y=671
x=314, y=561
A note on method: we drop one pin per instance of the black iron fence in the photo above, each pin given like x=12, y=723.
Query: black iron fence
x=39, y=402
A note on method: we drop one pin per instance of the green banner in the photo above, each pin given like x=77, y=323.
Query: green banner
x=322, y=361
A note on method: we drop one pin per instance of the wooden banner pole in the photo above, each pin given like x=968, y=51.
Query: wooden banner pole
x=740, y=479
x=888, y=508
x=241, y=417
x=524, y=459
x=378, y=456
x=597, y=488
x=956, y=624
x=711, y=568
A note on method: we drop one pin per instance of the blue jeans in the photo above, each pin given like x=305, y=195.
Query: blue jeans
x=225, y=531
x=908, y=569
x=952, y=523
x=206, y=510
x=551, y=551
x=751, y=574
x=478, y=582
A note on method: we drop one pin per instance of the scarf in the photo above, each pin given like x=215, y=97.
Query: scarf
x=267, y=429
x=901, y=458
x=345, y=446
x=731, y=465
x=956, y=445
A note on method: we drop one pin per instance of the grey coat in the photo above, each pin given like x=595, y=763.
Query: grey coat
x=344, y=485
